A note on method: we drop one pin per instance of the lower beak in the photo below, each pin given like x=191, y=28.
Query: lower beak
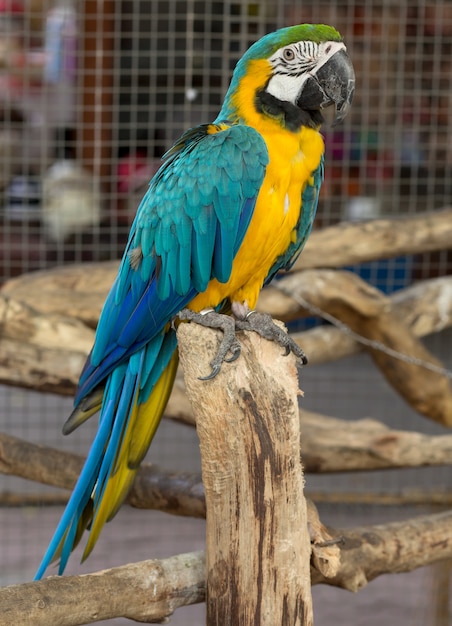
x=332, y=83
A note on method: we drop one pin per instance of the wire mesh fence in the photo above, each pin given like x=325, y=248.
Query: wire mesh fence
x=92, y=94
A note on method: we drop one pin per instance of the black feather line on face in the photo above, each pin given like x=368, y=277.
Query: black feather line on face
x=284, y=69
x=306, y=57
x=292, y=117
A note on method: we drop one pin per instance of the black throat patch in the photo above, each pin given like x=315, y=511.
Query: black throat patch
x=289, y=115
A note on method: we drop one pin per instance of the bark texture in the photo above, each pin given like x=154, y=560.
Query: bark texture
x=257, y=541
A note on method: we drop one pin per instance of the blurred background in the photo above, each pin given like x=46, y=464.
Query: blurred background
x=92, y=93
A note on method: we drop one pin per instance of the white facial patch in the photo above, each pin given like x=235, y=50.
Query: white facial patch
x=286, y=88
x=293, y=64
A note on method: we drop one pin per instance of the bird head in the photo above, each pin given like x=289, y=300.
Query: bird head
x=292, y=75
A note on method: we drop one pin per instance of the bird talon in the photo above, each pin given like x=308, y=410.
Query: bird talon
x=213, y=373
x=236, y=351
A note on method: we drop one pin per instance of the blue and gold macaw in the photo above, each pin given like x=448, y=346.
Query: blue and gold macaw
x=232, y=204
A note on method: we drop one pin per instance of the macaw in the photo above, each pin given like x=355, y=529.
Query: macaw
x=232, y=204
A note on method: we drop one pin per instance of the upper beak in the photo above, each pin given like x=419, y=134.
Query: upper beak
x=332, y=83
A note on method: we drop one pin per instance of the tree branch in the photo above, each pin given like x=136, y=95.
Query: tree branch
x=42, y=352
x=151, y=590
x=328, y=445
x=79, y=290
x=369, y=313
x=178, y=493
x=348, y=243
x=334, y=445
x=148, y=591
x=425, y=308
x=370, y=551
x=46, y=351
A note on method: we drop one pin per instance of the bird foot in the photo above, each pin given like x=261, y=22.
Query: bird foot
x=229, y=344
x=261, y=323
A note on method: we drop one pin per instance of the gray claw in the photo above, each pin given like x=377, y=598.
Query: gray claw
x=236, y=351
x=212, y=374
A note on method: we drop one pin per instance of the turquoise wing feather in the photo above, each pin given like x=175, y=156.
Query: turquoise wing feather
x=188, y=228
x=187, y=231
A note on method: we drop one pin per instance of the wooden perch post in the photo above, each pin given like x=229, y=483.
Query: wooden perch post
x=257, y=544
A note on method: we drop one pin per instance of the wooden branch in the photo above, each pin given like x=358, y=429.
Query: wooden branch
x=40, y=362
x=39, y=463
x=440, y=586
x=179, y=407
x=425, y=308
x=333, y=445
x=42, y=352
x=371, y=551
x=324, y=344
x=427, y=497
x=348, y=243
x=178, y=493
x=76, y=291
x=328, y=445
x=368, y=312
x=15, y=500
x=257, y=541
x=152, y=590
x=149, y=591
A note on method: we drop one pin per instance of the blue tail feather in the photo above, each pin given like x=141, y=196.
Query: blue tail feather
x=122, y=388
x=79, y=498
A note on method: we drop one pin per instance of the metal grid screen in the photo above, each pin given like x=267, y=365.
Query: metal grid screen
x=91, y=96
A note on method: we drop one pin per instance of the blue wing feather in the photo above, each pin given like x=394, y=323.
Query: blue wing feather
x=184, y=244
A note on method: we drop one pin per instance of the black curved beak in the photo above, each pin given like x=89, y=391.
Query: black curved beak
x=332, y=83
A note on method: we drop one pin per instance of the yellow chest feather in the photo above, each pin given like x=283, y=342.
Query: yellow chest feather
x=293, y=157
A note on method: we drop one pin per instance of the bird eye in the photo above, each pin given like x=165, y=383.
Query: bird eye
x=328, y=49
x=289, y=54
